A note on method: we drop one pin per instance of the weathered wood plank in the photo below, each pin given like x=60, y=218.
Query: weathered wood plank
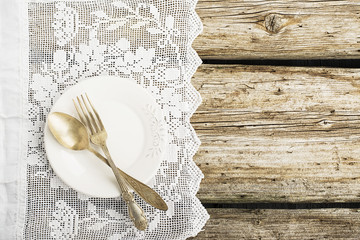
x=278, y=134
x=299, y=224
x=281, y=29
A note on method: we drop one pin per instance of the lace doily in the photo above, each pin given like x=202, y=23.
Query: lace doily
x=148, y=42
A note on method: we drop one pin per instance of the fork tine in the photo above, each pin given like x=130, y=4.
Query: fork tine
x=95, y=125
x=88, y=122
x=82, y=119
x=97, y=115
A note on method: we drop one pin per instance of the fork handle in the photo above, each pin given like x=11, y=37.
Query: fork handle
x=136, y=213
x=148, y=194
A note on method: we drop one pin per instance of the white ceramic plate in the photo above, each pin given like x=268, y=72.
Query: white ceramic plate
x=136, y=136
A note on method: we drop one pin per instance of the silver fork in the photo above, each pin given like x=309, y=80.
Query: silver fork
x=98, y=136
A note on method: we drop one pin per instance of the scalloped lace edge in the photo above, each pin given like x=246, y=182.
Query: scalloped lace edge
x=196, y=174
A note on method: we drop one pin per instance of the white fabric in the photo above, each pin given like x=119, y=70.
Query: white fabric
x=10, y=118
x=47, y=46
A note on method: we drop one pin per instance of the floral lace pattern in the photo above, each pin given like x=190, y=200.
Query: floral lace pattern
x=145, y=41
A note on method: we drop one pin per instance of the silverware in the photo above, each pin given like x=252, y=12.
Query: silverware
x=72, y=134
x=98, y=136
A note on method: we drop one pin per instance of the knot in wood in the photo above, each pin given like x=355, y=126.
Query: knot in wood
x=326, y=123
x=273, y=23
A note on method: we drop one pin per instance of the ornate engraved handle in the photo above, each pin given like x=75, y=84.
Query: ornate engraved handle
x=136, y=213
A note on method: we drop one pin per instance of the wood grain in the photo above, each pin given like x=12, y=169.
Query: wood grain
x=299, y=224
x=281, y=29
x=278, y=134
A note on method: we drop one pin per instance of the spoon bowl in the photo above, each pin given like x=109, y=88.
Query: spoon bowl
x=68, y=131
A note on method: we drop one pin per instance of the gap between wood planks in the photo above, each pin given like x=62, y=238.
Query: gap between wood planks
x=283, y=205
x=334, y=63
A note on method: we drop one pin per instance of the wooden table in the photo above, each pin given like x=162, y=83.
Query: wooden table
x=280, y=144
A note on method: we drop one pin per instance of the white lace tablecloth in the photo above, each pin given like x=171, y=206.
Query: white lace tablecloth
x=48, y=46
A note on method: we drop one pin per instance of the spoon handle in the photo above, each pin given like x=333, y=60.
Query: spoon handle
x=136, y=213
x=144, y=191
